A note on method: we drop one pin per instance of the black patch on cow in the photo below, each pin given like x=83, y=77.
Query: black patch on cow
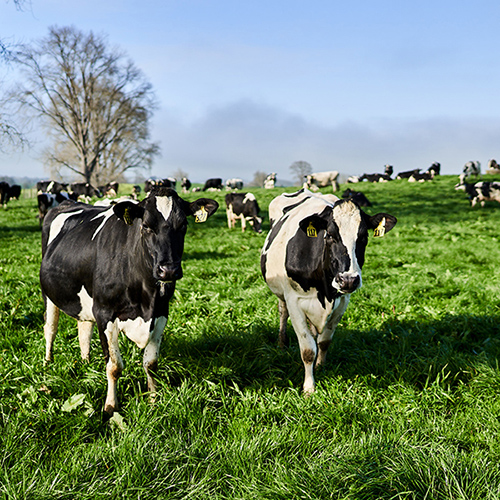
x=308, y=260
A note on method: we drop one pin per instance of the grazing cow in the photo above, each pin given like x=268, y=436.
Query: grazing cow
x=357, y=197
x=375, y=178
x=185, y=184
x=312, y=260
x=84, y=189
x=116, y=267
x=243, y=206
x=408, y=173
x=109, y=189
x=481, y=191
x=470, y=168
x=270, y=181
x=234, y=184
x=323, y=179
x=53, y=187
x=214, y=184
x=46, y=201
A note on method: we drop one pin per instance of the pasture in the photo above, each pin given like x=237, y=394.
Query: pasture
x=407, y=406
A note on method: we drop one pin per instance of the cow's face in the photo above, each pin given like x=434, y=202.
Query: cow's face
x=163, y=227
x=345, y=231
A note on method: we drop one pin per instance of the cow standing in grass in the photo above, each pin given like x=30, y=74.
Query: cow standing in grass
x=243, y=206
x=312, y=260
x=481, y=192
x=116, y=267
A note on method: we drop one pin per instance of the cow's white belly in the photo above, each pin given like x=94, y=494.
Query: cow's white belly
x=137, y=330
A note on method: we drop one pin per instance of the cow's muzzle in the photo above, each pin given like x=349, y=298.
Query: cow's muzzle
x=347, y=282
x=168, y=272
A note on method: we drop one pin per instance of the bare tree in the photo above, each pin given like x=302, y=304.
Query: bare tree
x=95, y=104
x=258, y=178
x=300, y=169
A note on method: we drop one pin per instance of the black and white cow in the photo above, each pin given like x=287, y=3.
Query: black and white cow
x=136, y=191
x=426, y=176
x=214, y=184
x=312, y=260
x=116, y=267
x=481, y=192
x=109, y=189
x=243, y=206
x=4, y=193
x=323, y=179
x=53, y=187
x=375, y=178
x=388, y=170
x=15, y=192
x=408, y=173
x=234, y=183
x=84, y=189
x=185, y=184
x=470, y=168
x=46, y=201
x=270, y=181
x=434, y=169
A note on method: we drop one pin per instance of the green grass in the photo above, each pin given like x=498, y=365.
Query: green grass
x=407, y=406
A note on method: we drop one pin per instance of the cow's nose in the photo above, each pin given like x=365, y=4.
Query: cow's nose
x=169, y=273
x=348, y=283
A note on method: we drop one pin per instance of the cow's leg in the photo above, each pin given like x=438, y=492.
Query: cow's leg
x=243, y=223
x=151, y=352
x=85, y=330
x=50, y=328
x=325, y=337
x=283, y=337
x=307, y=343
x=229, y=213
x=114, y=366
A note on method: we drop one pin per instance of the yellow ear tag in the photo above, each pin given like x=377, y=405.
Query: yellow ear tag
x=126, y=217
x=201, y=215
x=311, y=231
x=380, y=229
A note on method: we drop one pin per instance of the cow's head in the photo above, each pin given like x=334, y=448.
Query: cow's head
x=344, y=228
x=163, y=215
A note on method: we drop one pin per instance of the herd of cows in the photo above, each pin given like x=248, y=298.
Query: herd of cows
x=115, y=264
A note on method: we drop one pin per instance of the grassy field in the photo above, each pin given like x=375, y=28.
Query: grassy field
x=407, y=406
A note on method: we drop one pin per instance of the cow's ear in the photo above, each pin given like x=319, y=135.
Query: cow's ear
x=381, y=223
x=312, y=225
x=202, y=209
x=128, y=211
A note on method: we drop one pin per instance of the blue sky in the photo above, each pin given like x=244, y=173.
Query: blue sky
x=247, y=86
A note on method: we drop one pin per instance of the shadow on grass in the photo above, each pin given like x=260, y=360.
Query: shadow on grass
x=412, y=352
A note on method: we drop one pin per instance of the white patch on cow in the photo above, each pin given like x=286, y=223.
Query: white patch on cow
x=164, y=205
x=249, y=197
x=87, y=303
x=58, y=223
x=137, y=330
x=105, y=215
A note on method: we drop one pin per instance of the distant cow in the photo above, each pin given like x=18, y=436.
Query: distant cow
x=109, y=189
x=84, y=189
x=185, y=184
x=311, y=260
x=270, y=181
x=481, y=192
x=53, y=187
x=357, y=196
x=116, y=267
x=375, y=178
x=408, y=173
x=426, y=176
x=46, y=201
x=243, y=206
x=434, y=169
x=234, y=184
x=214, y=184
x=470, y=168
x=15, y=192
x=136, y=191
x=323, y=179
x=493, y=165
x=4, y=193
x=388, y=170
